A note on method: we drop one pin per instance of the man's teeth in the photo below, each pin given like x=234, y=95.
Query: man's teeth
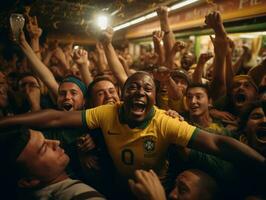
x=138, y=106
x=261, y=134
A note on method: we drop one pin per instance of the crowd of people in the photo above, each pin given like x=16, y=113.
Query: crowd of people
x=100, y=125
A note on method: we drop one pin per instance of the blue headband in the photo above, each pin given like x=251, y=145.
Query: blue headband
x=78, y=82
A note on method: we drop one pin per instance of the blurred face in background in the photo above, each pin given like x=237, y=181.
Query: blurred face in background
x=243, y=92
x=3, y=91
x=256, y=130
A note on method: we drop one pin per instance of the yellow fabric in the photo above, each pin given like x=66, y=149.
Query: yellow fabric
x=165, y=103
x=133, y=149
x=216, y=128
x=179, y=106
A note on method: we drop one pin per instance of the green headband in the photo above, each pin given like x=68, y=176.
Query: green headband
x=79, y=83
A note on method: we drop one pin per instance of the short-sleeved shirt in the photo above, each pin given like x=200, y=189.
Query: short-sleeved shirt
x=138, y=148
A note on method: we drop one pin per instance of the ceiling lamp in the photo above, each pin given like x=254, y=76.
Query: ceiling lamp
x=153, y=14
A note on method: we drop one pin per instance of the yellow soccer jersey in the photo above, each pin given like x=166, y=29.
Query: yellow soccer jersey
x=137, y=148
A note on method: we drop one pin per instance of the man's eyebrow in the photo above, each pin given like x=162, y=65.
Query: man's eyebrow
x=40, y=147
x=183, y=184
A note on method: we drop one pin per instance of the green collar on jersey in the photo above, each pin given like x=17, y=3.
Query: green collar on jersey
x=141, y=125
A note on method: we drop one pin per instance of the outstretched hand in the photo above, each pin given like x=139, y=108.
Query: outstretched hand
x=204, y=57
x=80, y=57
x=147, y=186
x=157, y=37
x=161, y=74
x=162, y=12
x=214, y=20
x=85, y=143
x=178, y=46
x=106, y=36
x=33, y=29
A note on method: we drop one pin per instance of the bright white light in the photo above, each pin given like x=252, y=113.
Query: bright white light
x=252, y=35
x=76, y=47
x=102, y=22
x=182, y=4
x=153, y=14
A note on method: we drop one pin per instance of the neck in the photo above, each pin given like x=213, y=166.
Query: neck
x=202, y=120
x=59, y=178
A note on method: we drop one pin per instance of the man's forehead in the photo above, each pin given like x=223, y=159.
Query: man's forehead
x=28, y=79
x=241, y=81
x=196, y=89
x=68, y=86
x=257, y=109
x=104, y=84
x=33, y=145
x=141, y=78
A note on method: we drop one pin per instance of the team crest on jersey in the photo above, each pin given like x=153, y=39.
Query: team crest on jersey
x=149, y=145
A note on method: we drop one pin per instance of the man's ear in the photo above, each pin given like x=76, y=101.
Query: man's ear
x=28, y=182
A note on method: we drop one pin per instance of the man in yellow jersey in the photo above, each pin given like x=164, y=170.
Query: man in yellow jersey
x=136, y=133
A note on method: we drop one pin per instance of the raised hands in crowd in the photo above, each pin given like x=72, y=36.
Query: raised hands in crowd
x=208, y=92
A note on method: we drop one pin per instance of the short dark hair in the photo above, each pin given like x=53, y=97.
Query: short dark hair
x=25, y=74
x=181, y=73
x=13, y=141
x=262, y=89
x=208, y=183
x=200, y=85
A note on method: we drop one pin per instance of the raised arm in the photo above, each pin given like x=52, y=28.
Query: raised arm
x=226, y=148
x=125, y=65
x=112, y=58
x=177, y=47
x=81, y=58
x=39, y=68
x=218, y=86
x=198, y=73
x=44, y=119
x=157, y=37
x=34, y=32
x=101, y=58
x=163, y=75
x=229, y=67
x=168, y=38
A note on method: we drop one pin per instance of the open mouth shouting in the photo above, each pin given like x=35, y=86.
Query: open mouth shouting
x=240, y=98
x=67, y=106
x=138, y=108
x=261, y=134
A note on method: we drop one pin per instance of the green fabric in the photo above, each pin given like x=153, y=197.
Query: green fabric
x=194, y=134
x=78, y=82
x=83, y=118
x=141, y=125
x=222, y=170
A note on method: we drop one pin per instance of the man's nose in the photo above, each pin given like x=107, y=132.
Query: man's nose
x=53, y=143
x=193, y=100
x=68, y=95
x=173, y=195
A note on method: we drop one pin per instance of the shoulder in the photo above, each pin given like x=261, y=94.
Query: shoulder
x=80, y=190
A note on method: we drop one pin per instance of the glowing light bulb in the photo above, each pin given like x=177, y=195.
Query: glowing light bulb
x=102, y=22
